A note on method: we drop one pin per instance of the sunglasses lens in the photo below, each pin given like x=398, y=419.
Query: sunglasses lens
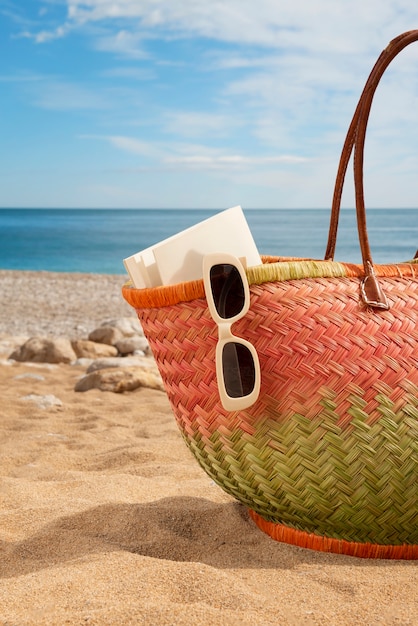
x=227, y=289
x=238, y=369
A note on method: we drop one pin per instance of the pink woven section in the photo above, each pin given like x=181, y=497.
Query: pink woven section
x=316, y=334
x=310, y=334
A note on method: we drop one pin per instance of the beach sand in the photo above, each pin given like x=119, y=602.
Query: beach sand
x=106, y=518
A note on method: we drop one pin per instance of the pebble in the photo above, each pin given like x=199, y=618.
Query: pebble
x=29, y=375
x=121, y=362
x=42, y=402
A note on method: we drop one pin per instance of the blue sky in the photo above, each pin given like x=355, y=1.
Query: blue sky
x=201, y=104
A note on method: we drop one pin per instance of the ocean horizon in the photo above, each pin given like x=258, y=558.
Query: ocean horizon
x=97, y=240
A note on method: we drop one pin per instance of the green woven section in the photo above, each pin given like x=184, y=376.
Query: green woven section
x=301, y=269
x=359, y=483
x=295, y=270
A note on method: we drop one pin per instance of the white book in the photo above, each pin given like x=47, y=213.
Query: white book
x=179, y=258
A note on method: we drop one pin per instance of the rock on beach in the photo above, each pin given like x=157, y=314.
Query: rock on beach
x=120, y=380
x=45, y=350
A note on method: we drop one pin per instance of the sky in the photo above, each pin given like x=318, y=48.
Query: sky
x=201, y=103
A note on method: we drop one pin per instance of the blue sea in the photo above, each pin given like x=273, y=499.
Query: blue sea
x=97, y=240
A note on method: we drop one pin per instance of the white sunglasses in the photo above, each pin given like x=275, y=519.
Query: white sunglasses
x=228, y=297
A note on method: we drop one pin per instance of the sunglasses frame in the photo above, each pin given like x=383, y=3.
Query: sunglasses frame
x=225, y=335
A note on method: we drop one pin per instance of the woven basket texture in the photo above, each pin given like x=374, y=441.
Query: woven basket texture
x=331, y=445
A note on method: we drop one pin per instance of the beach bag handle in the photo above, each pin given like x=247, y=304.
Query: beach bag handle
x=371, y=292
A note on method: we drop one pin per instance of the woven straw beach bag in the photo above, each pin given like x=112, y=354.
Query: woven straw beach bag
x=327, y=456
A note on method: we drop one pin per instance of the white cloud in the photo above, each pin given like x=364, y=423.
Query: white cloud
x=200, y=124
x=134, y=146
x=188, y=156
x=130, y=145
x=303, y=62
x=64, y=96
x=57, y=33
x=46, y=35
x=295, y=56
x=20, y=78
x=129, y=73
x=324, y=24
x=232, y=161
x=122, y=43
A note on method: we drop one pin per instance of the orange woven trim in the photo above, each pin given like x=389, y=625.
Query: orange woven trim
x=398, y=270
x=273, y=269
x=163, y=296
x=284, y=534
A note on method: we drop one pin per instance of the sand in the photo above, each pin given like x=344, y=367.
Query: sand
x=106, y=518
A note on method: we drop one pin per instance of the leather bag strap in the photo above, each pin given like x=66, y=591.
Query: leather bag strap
x=371, y=292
